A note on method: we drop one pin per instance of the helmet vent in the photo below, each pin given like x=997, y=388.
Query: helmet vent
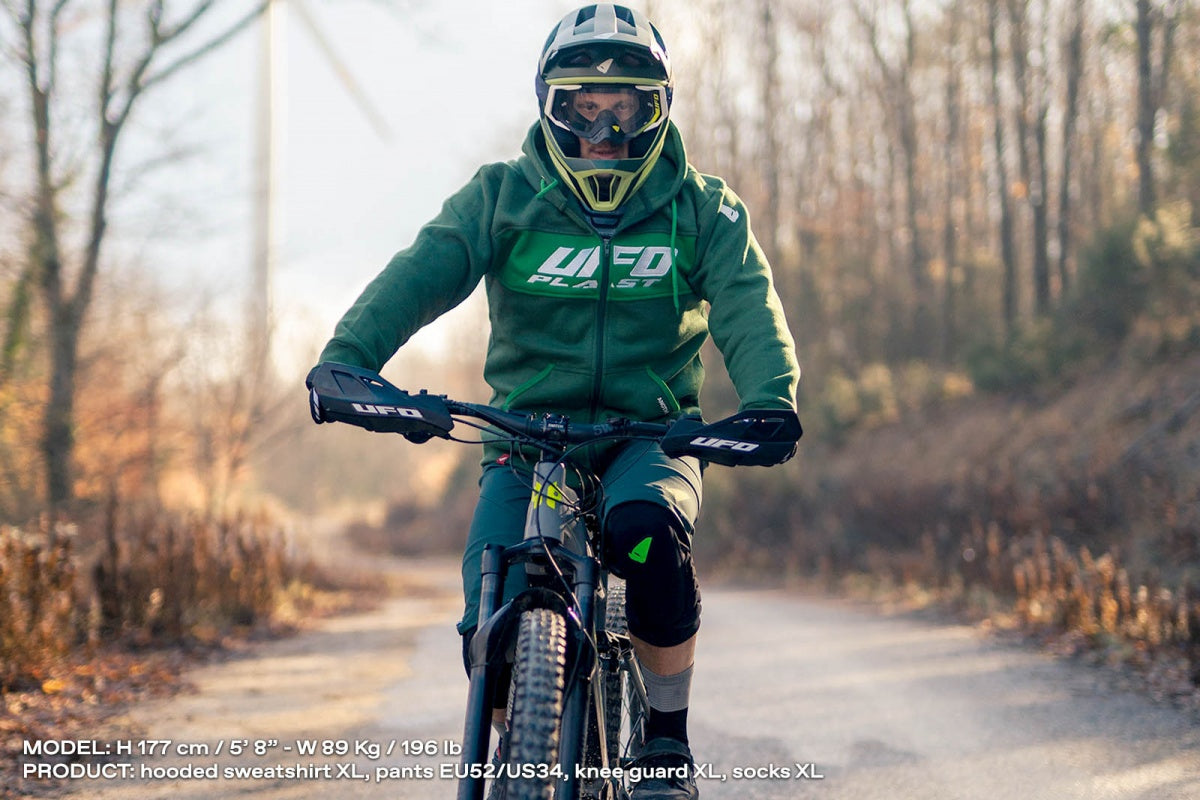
x=625, y=15
x=605, y=18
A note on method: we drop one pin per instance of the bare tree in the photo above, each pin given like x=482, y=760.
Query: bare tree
x=142, y=45
x=1147, y=106
x=1151, y=18
x=1039, y=189
x=1030, y=117
x=1008, y=254
x=951, y=154
x=897, y=76
x=1074, y=69
x=771, y=105
x=1011, y=153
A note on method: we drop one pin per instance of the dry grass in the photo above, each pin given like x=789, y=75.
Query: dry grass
x=1072, y=514
x=97, y=616
x=156, y=579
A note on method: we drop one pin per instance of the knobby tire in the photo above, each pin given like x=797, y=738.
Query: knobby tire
x=535, y=718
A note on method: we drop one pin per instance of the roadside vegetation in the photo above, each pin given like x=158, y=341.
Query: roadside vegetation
x=90, y=619
x=1048, y=486
x=984, y=220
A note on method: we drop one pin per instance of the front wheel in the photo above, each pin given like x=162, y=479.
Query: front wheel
x=535, y=706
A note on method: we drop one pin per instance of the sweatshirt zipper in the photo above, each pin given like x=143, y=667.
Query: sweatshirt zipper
x=601, y=315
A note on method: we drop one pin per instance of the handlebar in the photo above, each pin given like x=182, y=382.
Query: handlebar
x=555, y=428
x=343, y=393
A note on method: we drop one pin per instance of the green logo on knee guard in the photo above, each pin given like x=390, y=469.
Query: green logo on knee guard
x=640, y=552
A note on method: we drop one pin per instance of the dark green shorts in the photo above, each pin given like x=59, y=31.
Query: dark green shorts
x=636, y=471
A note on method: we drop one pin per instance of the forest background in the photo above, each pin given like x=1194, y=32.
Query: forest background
x=983, y=222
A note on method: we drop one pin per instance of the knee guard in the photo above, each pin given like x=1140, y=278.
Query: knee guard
x=647, y=545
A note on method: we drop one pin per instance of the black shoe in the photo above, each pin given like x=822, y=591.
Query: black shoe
x=670, y=771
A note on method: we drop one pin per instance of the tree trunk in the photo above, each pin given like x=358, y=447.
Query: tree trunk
x=1007, y=246
x=1032, y=177
x=1074, y=50
x=772, y=108
x=58, y=438
x=1041, y=221
x=897, y=83
x=951, y=148
x=1040, y=196
x=1147, y=105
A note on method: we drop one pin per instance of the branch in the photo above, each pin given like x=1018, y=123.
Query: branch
x=25, y=21
x=1168, y=17
x=184, y=24
x=11, y=7
x=886, y=71
x=106, y=69
x=55, y=14
x=204, y=49
x=45, y=214
x=111, y=124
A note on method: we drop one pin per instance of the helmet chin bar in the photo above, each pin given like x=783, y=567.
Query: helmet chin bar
x=602, y=187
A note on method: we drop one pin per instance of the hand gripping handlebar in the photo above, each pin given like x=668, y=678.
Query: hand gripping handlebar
x=357, y=396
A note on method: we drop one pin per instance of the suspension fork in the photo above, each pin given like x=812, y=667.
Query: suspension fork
x=575, y=705
x=483, y=672
x=494, y=631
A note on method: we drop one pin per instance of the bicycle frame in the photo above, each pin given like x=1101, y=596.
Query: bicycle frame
x=556, y=540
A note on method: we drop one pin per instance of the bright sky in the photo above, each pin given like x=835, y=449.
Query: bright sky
x=452, y=80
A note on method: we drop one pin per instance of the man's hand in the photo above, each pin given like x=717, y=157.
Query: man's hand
x=755, y=437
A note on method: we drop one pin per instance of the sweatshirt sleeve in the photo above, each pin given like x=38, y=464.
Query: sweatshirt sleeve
x=746, y=319
x=438, y=271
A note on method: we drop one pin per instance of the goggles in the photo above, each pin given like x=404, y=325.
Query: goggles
x=606, y=112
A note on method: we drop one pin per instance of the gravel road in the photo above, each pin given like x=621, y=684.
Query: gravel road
x=794, y=697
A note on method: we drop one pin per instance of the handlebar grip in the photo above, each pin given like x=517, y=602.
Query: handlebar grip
x=343, y=393
x=758, y=437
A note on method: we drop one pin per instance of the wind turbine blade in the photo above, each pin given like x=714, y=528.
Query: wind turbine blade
x=339, y=67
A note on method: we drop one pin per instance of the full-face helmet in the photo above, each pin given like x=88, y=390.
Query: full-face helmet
x=605, y=77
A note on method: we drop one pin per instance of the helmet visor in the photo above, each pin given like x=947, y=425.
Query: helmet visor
x=606, y=112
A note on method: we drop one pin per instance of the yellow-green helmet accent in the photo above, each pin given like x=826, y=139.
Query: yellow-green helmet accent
x=604, y=76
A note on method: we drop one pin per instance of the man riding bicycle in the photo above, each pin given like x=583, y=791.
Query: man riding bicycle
x=607, y=261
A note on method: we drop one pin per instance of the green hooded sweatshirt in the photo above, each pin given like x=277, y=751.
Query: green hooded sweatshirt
x=583, y=324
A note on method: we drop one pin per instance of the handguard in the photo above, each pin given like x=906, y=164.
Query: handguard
x=342, y=393
x=758, y=437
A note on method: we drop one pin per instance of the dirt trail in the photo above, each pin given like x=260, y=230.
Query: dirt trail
x=794, y=697
x=389, y=675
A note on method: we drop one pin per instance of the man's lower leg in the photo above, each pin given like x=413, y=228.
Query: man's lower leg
x=667, y=673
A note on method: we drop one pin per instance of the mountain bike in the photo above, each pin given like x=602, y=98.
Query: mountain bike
x=576, y=703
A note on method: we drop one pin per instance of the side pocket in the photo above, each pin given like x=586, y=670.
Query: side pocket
x=667, y=395
x=516, y=393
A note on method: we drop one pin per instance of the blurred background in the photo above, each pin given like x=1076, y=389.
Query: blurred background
x=982, y=218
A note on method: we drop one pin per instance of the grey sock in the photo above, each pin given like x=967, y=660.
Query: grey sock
x=667, y=692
